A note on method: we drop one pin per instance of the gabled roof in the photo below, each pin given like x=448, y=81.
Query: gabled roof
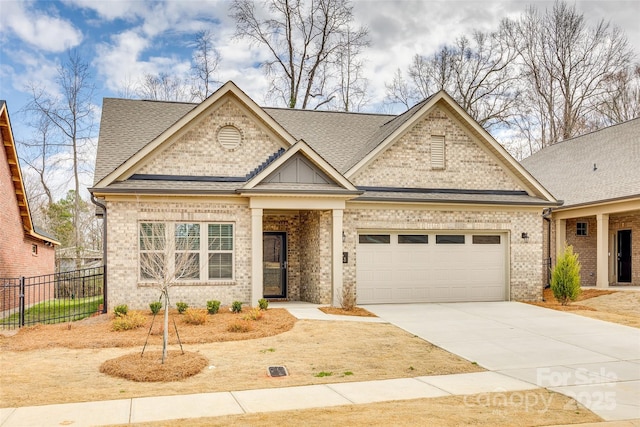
x=596, y=167
x=346, y=142
x=139, y=147
x=396, y=128
x=304, y=149
x=16, y=174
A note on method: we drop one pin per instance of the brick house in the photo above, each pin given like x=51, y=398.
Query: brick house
x=598, y=179
x=301, y=205
x=25, y=250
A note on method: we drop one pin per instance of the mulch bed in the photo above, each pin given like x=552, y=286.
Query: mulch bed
x=355, y=311
x=148, y=367
x=550, y=300
x=96, y=332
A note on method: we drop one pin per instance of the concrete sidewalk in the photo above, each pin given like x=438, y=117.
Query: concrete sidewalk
x=146, y=409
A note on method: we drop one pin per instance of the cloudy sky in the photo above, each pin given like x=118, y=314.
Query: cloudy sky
x=123, y=40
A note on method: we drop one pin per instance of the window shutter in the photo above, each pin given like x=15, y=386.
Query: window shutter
x=437, y=152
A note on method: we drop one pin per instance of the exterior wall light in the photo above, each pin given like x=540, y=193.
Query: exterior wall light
x=525, y=237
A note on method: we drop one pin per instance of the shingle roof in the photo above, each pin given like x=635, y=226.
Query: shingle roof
x=602, y=165
x=127, y=125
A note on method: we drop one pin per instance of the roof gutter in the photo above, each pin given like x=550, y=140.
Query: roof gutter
x=546, y=215
x=104, y=250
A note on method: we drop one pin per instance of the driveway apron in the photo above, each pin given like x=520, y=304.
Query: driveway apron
x=592, y=361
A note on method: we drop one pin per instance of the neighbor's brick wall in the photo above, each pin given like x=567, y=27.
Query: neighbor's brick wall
x=526, y=278
x=407, y=163
x=290, y=224
x=585, y=247
x=122, y=251
x=198, y=153
x=629, y=221
x=16, y=257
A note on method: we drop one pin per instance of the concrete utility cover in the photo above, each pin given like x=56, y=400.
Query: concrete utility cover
x=277, y=371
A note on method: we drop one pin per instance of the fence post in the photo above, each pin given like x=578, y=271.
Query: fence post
x=22, y=303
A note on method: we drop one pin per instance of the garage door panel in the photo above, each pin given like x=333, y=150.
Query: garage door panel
x=419, y=272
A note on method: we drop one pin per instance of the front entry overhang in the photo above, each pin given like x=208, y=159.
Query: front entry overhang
x=258, y=205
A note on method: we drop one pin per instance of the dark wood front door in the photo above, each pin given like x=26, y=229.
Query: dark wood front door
x=274, y=264
x=624, y=256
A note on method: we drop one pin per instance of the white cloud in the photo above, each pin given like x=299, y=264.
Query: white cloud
x=43, y=31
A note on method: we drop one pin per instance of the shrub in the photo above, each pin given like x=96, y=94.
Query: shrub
x=253, y=314
x=128, y=321
x=236, y=307
x=155, y=307
x=565, y=277
x=240, y=326
x=182, y=307
x=121, y=310
x=348, y=298
x=195, y=317
x=213, y=306
x=263, y=304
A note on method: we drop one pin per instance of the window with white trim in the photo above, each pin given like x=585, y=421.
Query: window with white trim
x=220, y=251
x=186, y=252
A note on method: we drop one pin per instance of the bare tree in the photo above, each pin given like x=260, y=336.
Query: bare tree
x=70, y=113
x=168, y=254
x=302, y=37
x=205, y=63
x=476, y=72
x=163, y=87
x=352, y=85
x=567, y=66
x=621, y=102
x=37, y=155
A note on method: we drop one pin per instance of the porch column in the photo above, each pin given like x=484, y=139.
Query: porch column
x=256, y=255
x=602, y=248
x=336, y=249
x=561, y=236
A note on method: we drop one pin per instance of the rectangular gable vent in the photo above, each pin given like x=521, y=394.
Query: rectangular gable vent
x=437, y=151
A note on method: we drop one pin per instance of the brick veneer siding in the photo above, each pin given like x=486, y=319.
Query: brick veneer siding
x=16, y=256
x=122, y=251
x=467, y=165
x=629, y=221
x=206, y=156
x=586, y=246
x=525, y=258
x=316, y=251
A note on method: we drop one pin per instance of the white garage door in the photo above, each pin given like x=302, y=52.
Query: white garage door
x=430, y=267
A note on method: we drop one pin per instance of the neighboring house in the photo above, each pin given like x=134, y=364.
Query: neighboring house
x=66, y=259
x=299, y=205
x=24, y=249
x=597, y=176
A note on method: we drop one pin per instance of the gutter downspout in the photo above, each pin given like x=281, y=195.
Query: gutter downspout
x=546, y=215
x=104, y=251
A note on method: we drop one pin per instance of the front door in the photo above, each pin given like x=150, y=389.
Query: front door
x=624, y=256
x=274, y=264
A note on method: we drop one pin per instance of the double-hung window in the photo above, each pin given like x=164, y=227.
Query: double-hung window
x=186, y=252
x=153, y=241
x=220, y=251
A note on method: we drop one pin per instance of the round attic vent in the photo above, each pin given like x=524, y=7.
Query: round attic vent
x=229, y=137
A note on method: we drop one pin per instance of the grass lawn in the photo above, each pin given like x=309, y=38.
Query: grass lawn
x=57, y=311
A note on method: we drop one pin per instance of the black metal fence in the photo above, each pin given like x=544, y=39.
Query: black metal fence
x=52, y=298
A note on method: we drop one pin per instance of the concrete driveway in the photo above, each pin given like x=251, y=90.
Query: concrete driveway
x=595, y=362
